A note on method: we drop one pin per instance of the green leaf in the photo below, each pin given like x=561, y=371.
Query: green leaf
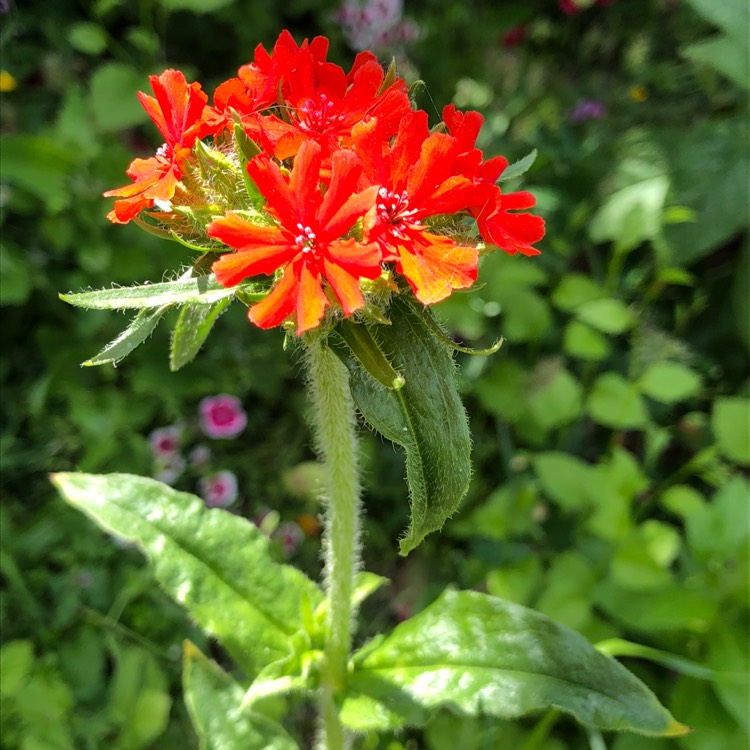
x=731, y=16
x=192, y=329
x=616, y=403
x=607, y=315
x=632, y=214
x=726, y=54
x=16, y=278
x=620, y=647
x=671, y=608
x=196, y=6
x=203, y=290
x=18, y=662
x=642, y=559
x=481, y=655
x=669, y=382
x=88, y=37
x=217, y=565
x=585, y=343
x=518, y=167
x=425, y=417
x=114, y=97
x=41, y=166
x=139, y=700
x=575, y=290
x=730, y=422
x=213, y=700
x=565, y=479
x=141, y=327
x=554, y=395
x=709, y=166
x=366, y=584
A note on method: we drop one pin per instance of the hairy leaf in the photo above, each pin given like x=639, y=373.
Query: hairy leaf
x=217, y=565
x=480, y=655
x=425, y=417
x=213, y=700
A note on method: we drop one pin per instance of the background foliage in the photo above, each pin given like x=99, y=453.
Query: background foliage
x=611, y=445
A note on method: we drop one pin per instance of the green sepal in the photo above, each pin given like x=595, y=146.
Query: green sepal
x=204, y=290
x=425, y=417
x=247, y=150
x=365, y=584
x=390, y=77
x=299, y=673
x=443, y=337
x=365, y=348
x=479, y=655
x=217, y=565
x=192, y=329
x=140, y=328
x=519, y=167
x=213, y=701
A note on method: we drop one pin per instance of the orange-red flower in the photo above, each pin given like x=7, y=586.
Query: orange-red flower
x=414, y=182
x=511, y=232
x=323, y=103
x=177, y=110
x=307, y=244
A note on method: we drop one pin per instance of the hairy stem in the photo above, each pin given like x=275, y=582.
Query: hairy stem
x=335, y=431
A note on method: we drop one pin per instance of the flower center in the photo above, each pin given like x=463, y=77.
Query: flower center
x=316, y=115
x=306, y=239
x=393, y=208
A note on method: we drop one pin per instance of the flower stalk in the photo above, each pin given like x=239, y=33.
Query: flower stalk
x=335, y=433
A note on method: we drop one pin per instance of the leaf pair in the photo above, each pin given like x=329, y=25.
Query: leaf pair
x=202, y=300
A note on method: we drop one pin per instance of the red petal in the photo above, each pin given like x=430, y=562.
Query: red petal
x=438, y=267
x=231, y=268
x=407, y=147
x=311, y=301
x=274, y=187
x=274, y=308
x=346, y=287
x=177, y=106
x=433, y=167
x=304, y=182
x=240, y=233
x=345, y=172
x=357, y=259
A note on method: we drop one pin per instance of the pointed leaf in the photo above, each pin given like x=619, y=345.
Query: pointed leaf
x=217, y=565
x=480, y=655
x=518, y=167
x=425, y=417
x=192, y=329
x=213, y=701
x=141, y=327
x=203, y=290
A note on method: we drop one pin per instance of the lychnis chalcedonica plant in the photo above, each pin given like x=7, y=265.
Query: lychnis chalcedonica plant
x=323, y=201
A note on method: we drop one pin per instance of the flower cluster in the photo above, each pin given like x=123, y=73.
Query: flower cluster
x=325, y=180
x=219, y=417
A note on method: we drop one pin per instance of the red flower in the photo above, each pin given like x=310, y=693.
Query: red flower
x=257, y=84
x=511, y=232
x=307, y=244
x=177, y=111
x=324, y=103
x=414, y=183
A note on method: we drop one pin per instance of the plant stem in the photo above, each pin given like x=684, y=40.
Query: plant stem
x=335, y=428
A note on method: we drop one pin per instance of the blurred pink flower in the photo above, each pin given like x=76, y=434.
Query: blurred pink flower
x=289, y=535
x=219, y=490
x=222, y=416
x=200, y=455
x=169, y=467
x=375, y=24
x=165, y=441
